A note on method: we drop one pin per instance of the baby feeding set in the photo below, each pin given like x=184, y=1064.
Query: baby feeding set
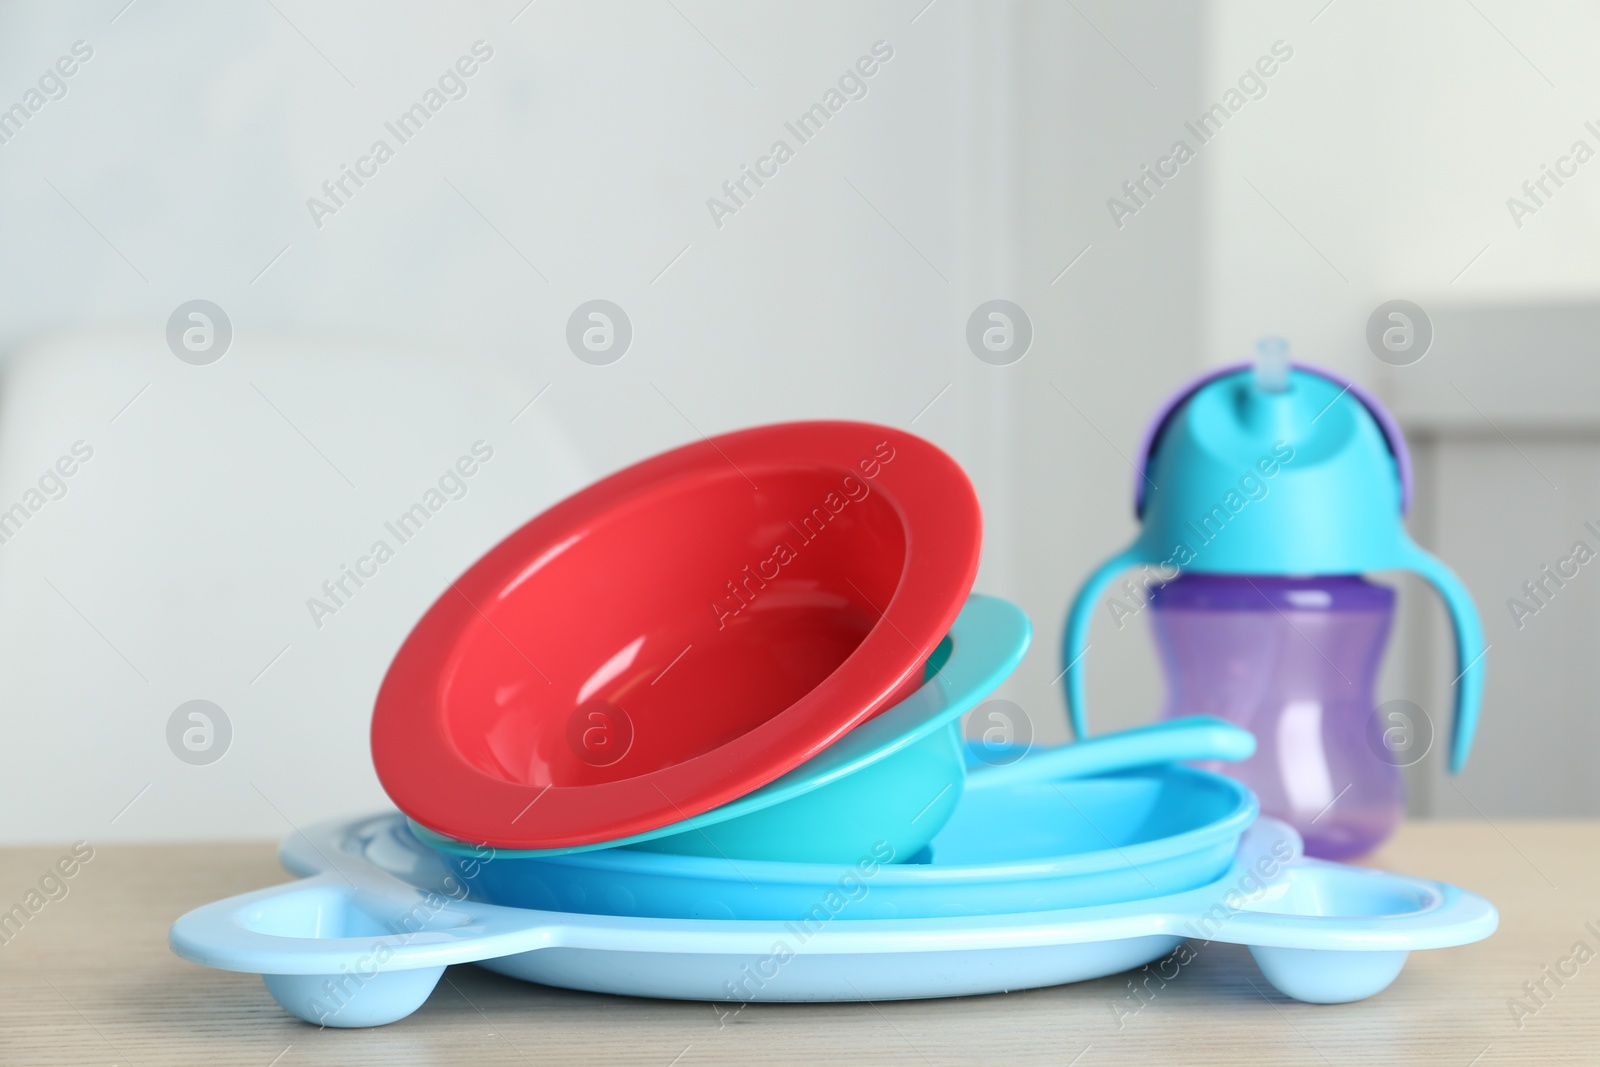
x=695, y=732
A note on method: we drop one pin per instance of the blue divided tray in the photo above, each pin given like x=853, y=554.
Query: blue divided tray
x=363, y=939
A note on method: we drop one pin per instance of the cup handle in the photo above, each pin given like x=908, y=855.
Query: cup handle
x=1075, y=642
x=1470, y=648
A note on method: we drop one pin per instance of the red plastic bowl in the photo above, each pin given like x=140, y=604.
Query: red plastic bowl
x=677, y=635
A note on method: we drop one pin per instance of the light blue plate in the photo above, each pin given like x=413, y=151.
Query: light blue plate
x=1023, y=847
x=364, y=940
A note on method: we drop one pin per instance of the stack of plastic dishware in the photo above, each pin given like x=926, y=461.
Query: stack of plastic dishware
x=695, y=733
x=681, y=633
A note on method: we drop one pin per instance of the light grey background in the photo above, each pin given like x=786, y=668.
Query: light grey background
x=431, y=309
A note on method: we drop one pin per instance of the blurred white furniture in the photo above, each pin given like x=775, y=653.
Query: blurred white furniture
x=179, y=561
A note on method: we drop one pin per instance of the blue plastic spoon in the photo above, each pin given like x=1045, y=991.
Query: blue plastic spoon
x=1192, y=737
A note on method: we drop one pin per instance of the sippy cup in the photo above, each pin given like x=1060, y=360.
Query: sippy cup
x=1265, y=493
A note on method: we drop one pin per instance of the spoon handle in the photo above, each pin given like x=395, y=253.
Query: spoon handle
x=1189, y=737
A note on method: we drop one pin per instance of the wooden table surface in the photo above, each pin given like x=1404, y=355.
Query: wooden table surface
x=90, y=981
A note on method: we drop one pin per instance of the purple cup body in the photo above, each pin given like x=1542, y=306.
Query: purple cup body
x=1295, y=661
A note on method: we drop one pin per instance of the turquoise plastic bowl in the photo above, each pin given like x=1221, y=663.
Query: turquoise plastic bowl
x=1036, y=846
x=891, y=782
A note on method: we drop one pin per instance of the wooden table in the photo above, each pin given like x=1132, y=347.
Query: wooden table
x=89, y=980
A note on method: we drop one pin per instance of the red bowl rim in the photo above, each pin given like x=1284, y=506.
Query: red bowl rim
x=428, y=779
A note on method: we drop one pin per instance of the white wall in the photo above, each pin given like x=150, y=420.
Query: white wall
x=426, y=312
x=178, y=166
x=430, y=308
x=1391, y=142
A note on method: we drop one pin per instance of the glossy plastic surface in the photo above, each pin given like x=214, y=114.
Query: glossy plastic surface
x=1294, y=660
x=1393, y=436
x=1194, y=737
x=894, y=779
x=677, y=635
x=360, y=942
x=1067, y=844
x=1307, y=481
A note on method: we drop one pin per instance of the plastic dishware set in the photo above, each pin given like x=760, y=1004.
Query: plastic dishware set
x=694, y=733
